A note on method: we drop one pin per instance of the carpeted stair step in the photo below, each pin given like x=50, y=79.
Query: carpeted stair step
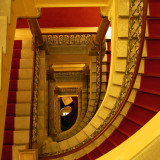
x=148, y=101
x=150, y=84
x=129, y=131
x=20, y=109
x=21, y=85
x=22, y=63
x=153, y=28
x=152, y=67
x=23, y=53
x=95, y=154
x=153, y=48
x=117, y=137
x=106, y=146
x=154, y=6
x=139, y=115
x=85, y=157
x=17, y=122
x=21, y=74
x=19, y=97
x=16, y=137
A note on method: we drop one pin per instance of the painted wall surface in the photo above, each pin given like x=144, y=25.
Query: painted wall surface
x=66, y=17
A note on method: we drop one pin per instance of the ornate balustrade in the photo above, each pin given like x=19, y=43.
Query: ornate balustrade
x=69, y=38
x=35, y=94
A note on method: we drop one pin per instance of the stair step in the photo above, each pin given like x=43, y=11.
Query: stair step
x=153, y=27
x=103, y=112
x=139, y=115
x=148, y=101
x=64, y=145
x=21, y=74
x=96, y=121
x=152, y=67
x=81, y=136
x=22, y=123
x=117, y=137
x=85, y=157
x=128, y=127
x=23, y=53
x=21, y=137
x=106, y=146
x=21, y=85
x=95, y=154
x=73, y=141
x=23, y=109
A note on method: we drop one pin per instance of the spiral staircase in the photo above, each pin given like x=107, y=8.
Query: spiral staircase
x=95, y=137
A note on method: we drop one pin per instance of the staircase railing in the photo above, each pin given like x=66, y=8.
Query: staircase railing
x=34, y=103
x=98, y=78
x=79, y=38
x=136, y=35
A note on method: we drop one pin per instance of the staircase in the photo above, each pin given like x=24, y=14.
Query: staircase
x=147, y=99
x=141, y=106
x=17, y=125
x=143, y=102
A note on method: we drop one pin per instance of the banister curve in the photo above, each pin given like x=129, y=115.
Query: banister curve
x=143, y=29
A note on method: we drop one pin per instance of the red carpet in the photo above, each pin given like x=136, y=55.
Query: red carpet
x=152, y=67
x=154, y=7
x=153, y=28
x=153, y=48
x=106, y=146
x=84, y=158
x=148, y=101
x=117, y=137
x=139, y=115
x=9, y=124
x=10, y=109
x=123, y=127
x=95, y=154
x=7, y=149
x=150, y=84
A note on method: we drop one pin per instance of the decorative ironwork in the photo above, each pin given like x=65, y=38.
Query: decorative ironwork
x=98, y=79
x=68, y=76
x=134, y=40
x=35, y=98
x=69, y=39
x=68, y=91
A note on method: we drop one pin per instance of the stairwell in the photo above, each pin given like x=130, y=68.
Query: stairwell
x=143, y=102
